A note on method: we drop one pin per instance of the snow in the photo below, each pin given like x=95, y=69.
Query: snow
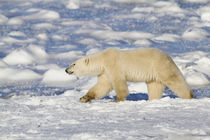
x=26, y=56
x=64, y=117
x=8, y=75
x=15, y=21
x=197, y=1
x=73, y=4
x=167, y=37
x=195, y=66
x=44, y=26
x=3, y=19
x=17, y=33
x=195, y=34
x=42, y=15
x=70, y=55
x=57, y=77
x=204, y=13
x=113, y=35
x=143, y=42
x=39, y=39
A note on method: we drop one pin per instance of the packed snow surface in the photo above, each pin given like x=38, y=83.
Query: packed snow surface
x=39, y=39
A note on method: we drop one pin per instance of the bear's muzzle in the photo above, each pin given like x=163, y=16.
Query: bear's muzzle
x=69, y=72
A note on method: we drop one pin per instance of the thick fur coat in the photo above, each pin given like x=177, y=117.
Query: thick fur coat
x=115, y=67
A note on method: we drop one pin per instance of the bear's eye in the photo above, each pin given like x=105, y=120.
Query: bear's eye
x=87, y=61
x=73, y=64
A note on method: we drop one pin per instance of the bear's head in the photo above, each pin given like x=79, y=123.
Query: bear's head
x=85, y=66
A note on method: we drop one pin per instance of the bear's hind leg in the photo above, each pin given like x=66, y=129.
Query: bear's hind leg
x=102, y=87
x=178, y=85
x=155, y=89
x=180, y=88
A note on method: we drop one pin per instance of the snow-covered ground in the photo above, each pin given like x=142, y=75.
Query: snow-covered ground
x=39, y=39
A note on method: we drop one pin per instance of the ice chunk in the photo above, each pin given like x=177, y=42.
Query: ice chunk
x=204, y=12
x=69, y=55
x=167, y=37
x=44, y=26
x=42, y=14
x=9, y=74
x=143, y=9
x=58, y=77
x=197, y=1
x=38, y=53
x=114, y=35
x=194, y=78
x=73, y=4
x=143, y=43
x=42, y=36
x=11, y=40
x=195, y=34
x=26, y=56
x=15, y=21
x=18, y=56
x=93, y=51
x=3, y=19
x=17, y=33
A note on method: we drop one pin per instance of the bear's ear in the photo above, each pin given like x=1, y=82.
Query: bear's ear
x=87, y=61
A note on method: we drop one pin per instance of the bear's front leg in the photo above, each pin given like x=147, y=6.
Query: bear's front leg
x=88, y=97
x=102, y=88
x=121, y=89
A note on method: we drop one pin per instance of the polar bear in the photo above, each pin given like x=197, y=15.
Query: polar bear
x=115, y=67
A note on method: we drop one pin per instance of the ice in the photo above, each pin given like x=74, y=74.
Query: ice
x=15, y=21
x=2, y=64
x=68, y=46
x=113, y=35
x=137, y=87
x=166, y=7
x=42, y=37
x=194, y=78
x=93, y=51
x=203, y=65
x=3, y=19
x=88, y=41
x=70, y=55
x=205, y=13
x=85, y=136
x=57, y=77
x=59, y=38
x=11, y=75
x=19, y=57
x=44, y=26
x=195, y=34
x=76, y=4
x=26, y=56
x=38, y=52
x=134, y=1
x=167, y=37
x=17, y=33
x=41, y=15
x=143, y=9
x=12, y=40
x=195, y=67
x=206, y=16
x=135, y=16
x=73, y=4
x=143, y=42
x=197, y=1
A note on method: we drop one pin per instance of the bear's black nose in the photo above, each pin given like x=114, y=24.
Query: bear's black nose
x=69, y=72
x=66, y=70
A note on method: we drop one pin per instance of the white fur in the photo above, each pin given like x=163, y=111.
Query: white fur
x=114, y=68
